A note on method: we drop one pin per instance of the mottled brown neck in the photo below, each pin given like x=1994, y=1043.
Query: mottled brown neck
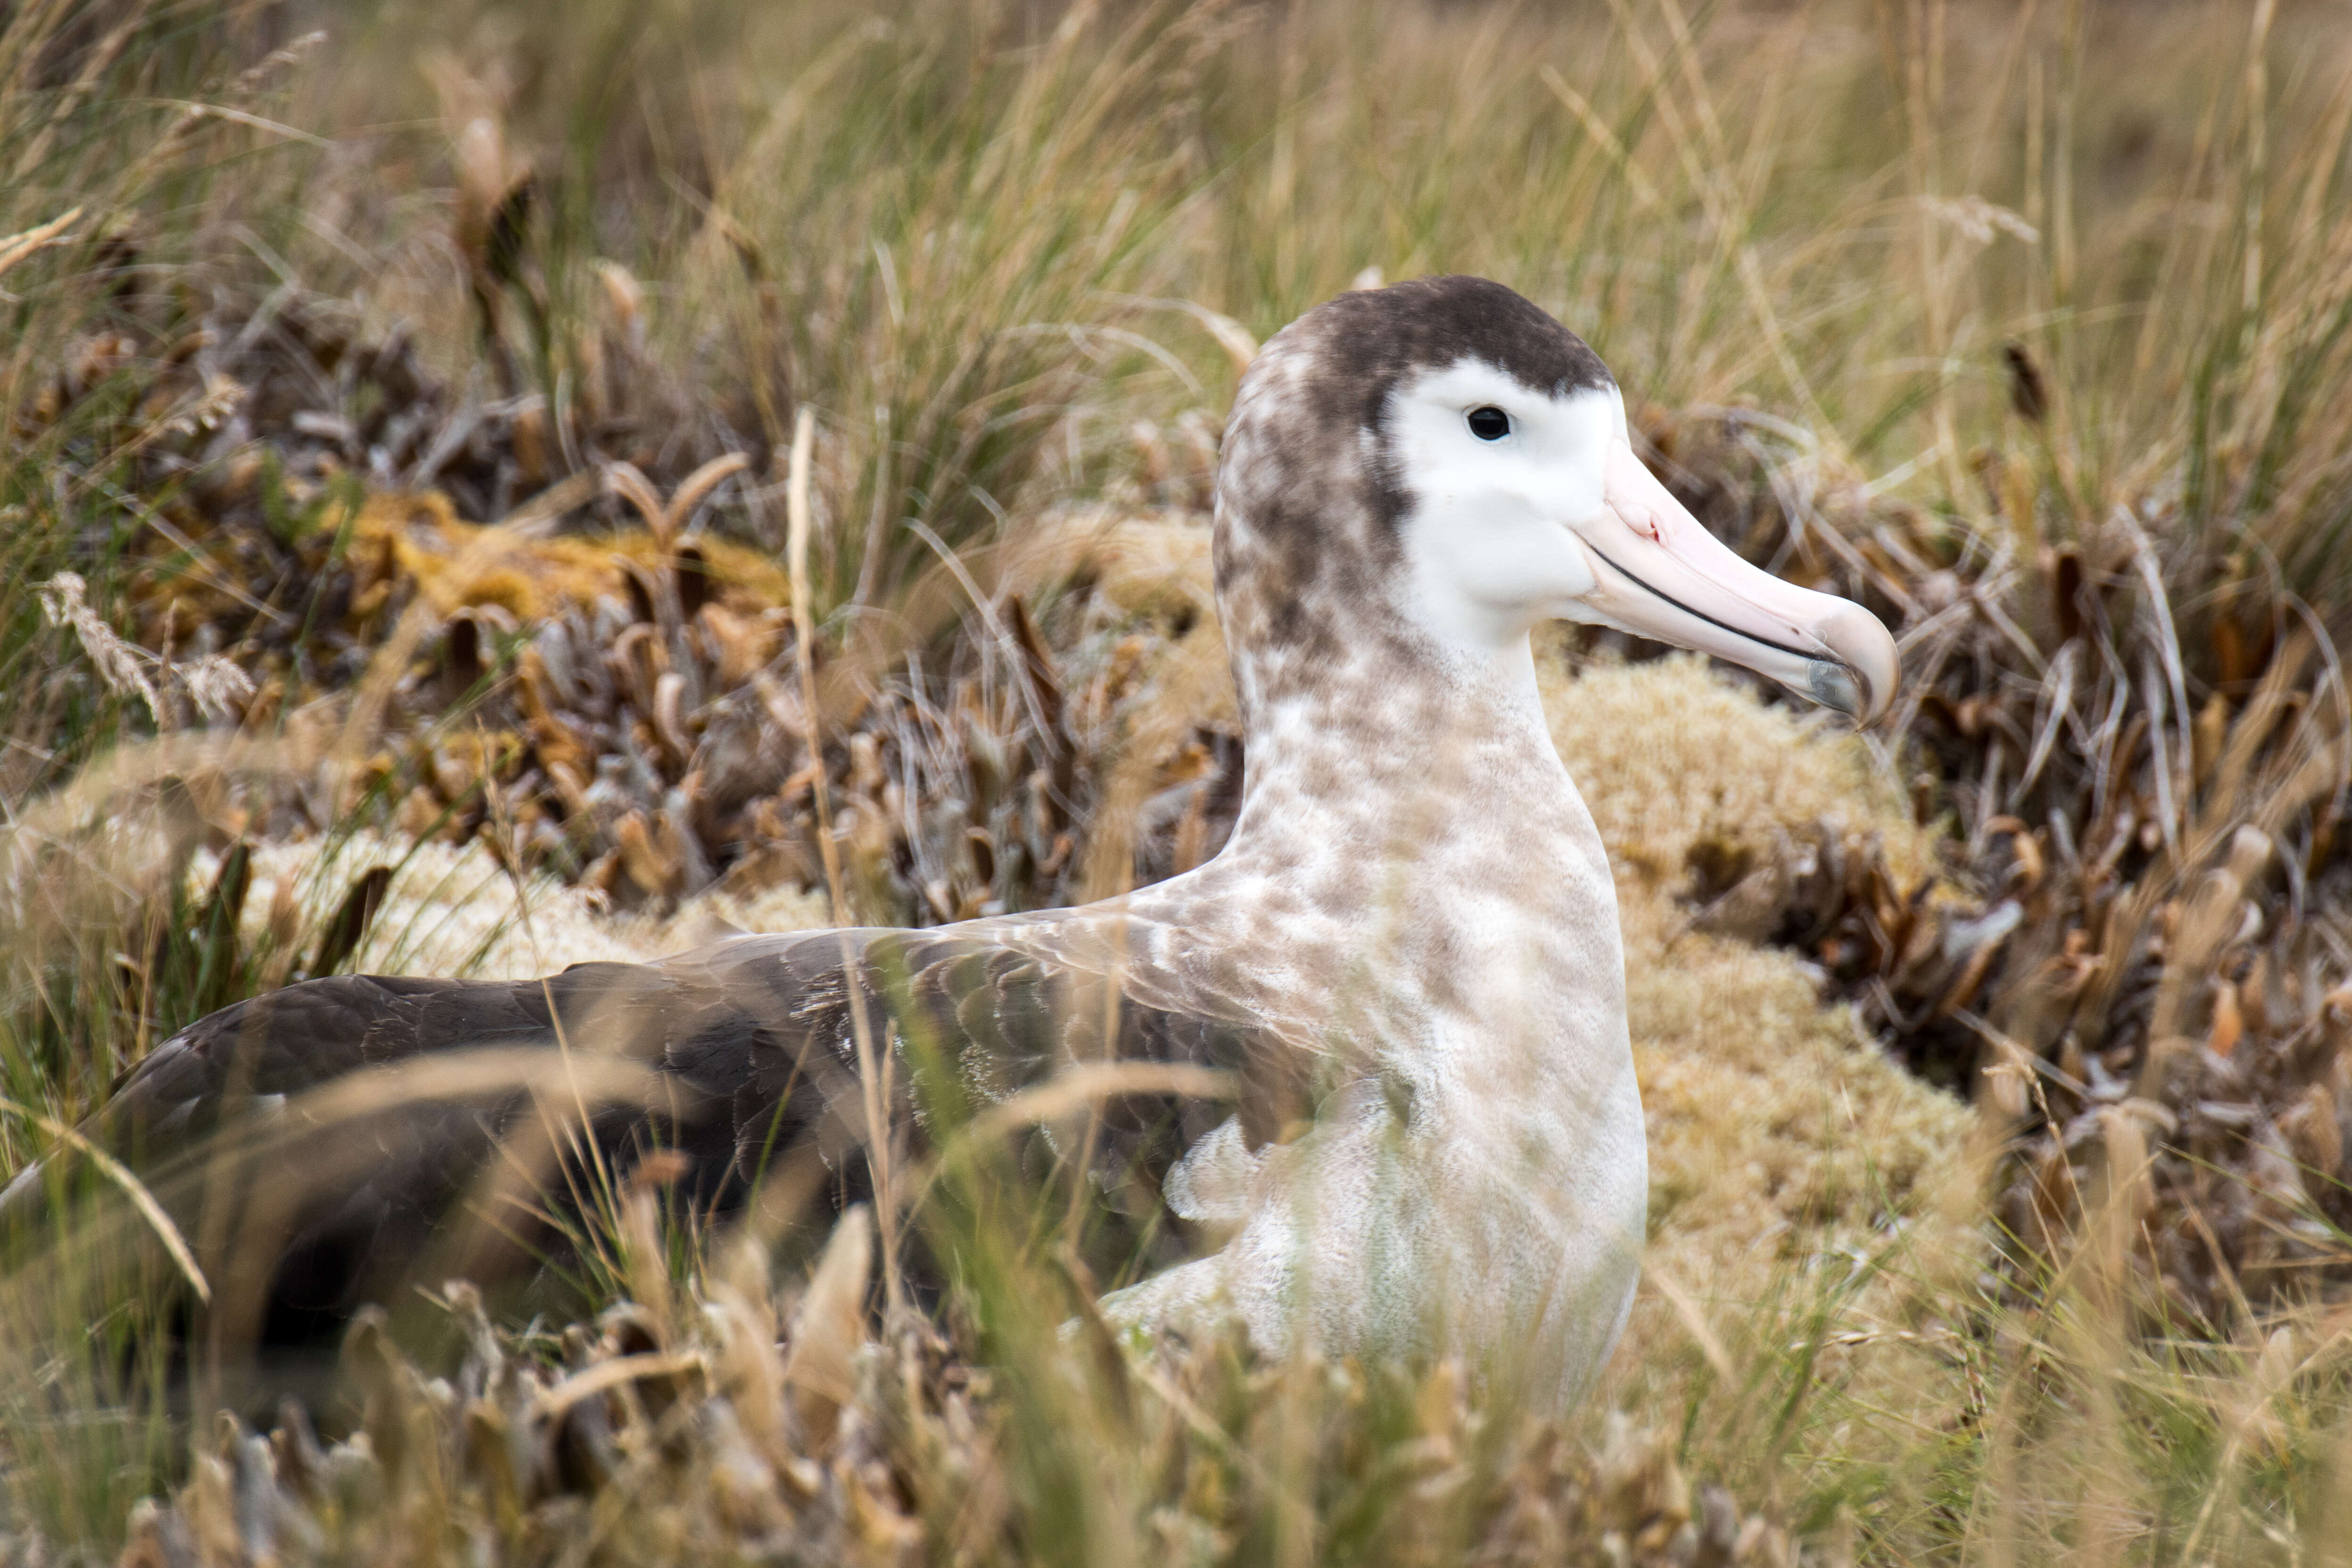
x=1386, y=749
x=1361, y=728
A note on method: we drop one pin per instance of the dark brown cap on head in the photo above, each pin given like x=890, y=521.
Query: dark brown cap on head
x=1308, y=500
x=1325, y=380
x=1369, y=341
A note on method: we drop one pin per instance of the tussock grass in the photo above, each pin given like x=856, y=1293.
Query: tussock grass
x=2023, y=324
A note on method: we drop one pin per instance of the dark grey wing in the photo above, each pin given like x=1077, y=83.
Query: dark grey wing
x=1010, y=1017
x=982, y=1011
x=752, y=1054
x=297, y=1039
x=721, y=1031
x=323, y=1185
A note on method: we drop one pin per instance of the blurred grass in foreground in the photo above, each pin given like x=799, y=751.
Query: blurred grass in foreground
x=2041, y=311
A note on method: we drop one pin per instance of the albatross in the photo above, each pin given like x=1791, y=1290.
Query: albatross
x=1405, y=962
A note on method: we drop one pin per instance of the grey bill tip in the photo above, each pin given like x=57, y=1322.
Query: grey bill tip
x=1835, y=685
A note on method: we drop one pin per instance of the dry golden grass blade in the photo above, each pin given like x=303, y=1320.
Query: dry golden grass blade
x=1730, y=221
x=624, y=480
x=1083, y=1086
x=16, y=247
x=798, y=525
x=2254, y=726
x=2250, y=1424
x=1088, y=1083
x=873, y=1065
x=747, y=1365
x=548, y=505
x=1231, y=335
x=1693, y=1320
x=589, y=1077
x=624, y=297
x=608, y=1375
x=95, y=63
x=830, y=1324
x=1645, y=194
x=133, y=1188
x=695, y=486
x=2211, y=915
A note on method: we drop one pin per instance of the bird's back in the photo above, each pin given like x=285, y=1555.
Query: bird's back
x=346, y=1140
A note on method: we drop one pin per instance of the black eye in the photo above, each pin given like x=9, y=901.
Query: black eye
x=1489, y=423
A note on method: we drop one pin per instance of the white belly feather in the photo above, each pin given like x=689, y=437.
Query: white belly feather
x=1477, y=1192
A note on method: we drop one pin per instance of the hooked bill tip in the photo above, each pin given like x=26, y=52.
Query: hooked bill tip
x=1860, y=677
x=1833, y=686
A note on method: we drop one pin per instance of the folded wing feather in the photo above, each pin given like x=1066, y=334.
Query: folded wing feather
x=747, y=1059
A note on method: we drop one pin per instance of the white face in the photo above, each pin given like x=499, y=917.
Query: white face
x=1529, y=506
x=1492, y=539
